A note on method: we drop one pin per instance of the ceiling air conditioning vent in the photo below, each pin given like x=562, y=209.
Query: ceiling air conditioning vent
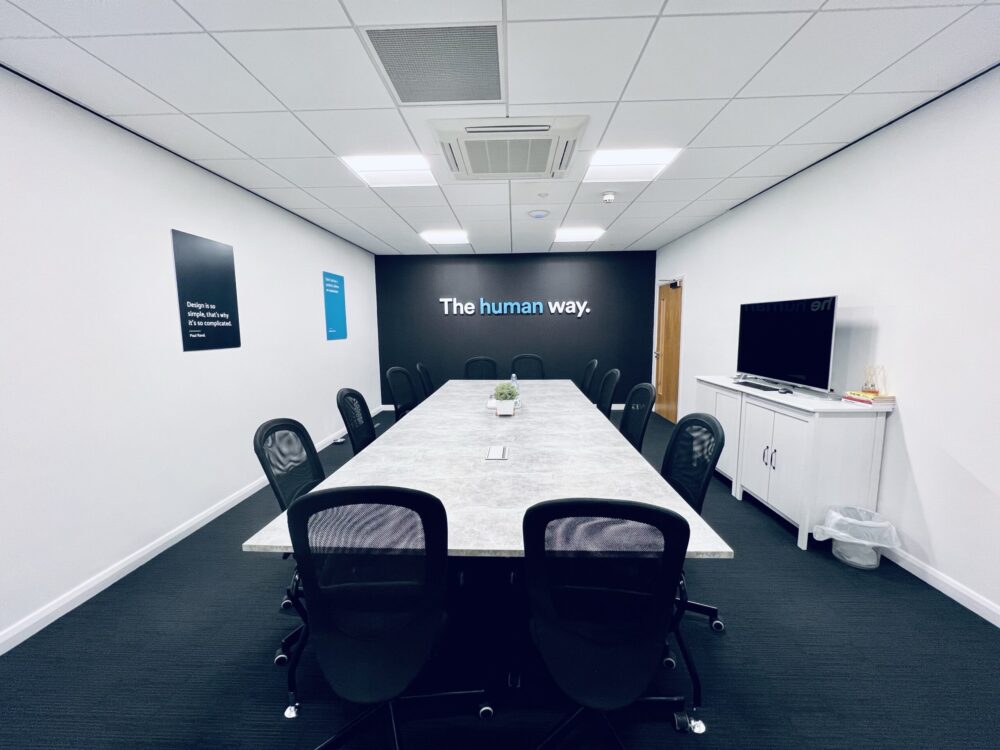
x=510, y=148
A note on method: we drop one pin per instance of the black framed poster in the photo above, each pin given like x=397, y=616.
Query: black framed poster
x=206, y=293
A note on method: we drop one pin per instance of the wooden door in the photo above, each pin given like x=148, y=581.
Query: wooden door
x=668, y=350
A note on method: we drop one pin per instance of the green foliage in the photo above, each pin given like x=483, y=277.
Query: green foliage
x=505, y=392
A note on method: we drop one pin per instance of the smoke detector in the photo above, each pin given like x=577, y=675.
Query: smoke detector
x=608, y=196
x=538, y=213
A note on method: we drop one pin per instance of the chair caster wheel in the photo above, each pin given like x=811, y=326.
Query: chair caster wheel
x=669, y=662
x=684, y=723
x=718, y=625
x=485, y=711
x=292, y=711
x=697, y=726
x=280, y=658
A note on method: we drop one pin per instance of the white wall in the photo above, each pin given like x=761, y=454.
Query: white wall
x=905, y=227
x=114, y=441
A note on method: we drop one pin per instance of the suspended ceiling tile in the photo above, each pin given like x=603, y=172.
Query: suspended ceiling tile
x=291, y=198
x=497, y=212
x=16, y=23
x=412, y=196
x=676, y=190
x=361, y=131
x=695, y=163
x=837, y=52
x=739, y=188
x=222, y=15
x=682, y=7
x=935, y=66
x=64, y=67
x=82, y=17
x=182, y=135
x=855, y=116
x=555, y=61
x=761, y=122
x=312, y=172
x=783, y=160
x=659, y=124
x=542, y=192
x=265, y=135
x=524, y=10
x=348, y=197
x=473, y=193
x=709, y=56
x=310, y=68
x=246, y=172
x=625, y=192
x=190, y=71
x=406, y=12
x=422, y=218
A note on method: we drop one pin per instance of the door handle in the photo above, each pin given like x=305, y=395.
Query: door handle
x=773, y=454
x=656, y=354
x=763, y=456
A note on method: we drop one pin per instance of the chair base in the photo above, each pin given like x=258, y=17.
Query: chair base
x=683, y=720
x=712, y=613
x=391, y=707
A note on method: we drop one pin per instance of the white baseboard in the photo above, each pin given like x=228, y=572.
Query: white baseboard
x=988, y=610
x=30, y=624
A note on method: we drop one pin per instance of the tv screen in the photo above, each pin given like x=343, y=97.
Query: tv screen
x=788, y=340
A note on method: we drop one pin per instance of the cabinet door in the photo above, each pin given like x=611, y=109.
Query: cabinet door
x=727, y=411
x=755, y=471
x=788, y=464
x=704, y=398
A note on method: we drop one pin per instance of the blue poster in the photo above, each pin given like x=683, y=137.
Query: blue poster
x=336, y=311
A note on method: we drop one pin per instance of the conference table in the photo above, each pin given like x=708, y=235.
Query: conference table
x=558, y=446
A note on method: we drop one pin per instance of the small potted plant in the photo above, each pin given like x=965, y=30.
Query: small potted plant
x=505, y=395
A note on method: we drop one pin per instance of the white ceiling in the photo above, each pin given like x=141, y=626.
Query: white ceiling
x=270, y=94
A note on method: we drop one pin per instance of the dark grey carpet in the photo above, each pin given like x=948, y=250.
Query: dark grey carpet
x=816, y=654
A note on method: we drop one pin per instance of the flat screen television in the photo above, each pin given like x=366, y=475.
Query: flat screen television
x=789, y=341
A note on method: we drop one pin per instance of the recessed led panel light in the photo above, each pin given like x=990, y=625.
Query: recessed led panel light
x=623, y=173
x=578, y=234
x=416, y=178
x=387, y=162
x=629, y=164
x=445, y=236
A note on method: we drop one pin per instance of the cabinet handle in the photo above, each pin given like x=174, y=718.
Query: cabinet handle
x=763, y=456
x=773, y=454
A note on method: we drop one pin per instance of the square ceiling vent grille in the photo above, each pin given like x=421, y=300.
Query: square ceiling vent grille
x=440, y=64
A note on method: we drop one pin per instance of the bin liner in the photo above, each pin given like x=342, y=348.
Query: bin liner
x=859, y=535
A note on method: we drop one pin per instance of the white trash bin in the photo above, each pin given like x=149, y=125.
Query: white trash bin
x=859, y=535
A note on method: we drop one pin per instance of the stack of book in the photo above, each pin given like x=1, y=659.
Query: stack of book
x=868, y=397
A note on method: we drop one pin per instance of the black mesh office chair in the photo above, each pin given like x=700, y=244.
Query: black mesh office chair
x=357, y=418
x=688, y=465
x=601, y=577
x=425, y=379
x=587, y=383
x=635, y=417
x=606, y=393
x=528, y=367
x=480, y=368
x=373, y=562
x=404, y=395
x=291, y=464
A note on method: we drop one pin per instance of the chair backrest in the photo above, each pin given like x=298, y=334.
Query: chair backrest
x=357, y=418
x=289, y=459
x=587, y=383
x=638, y=405
x=606, y=393
x=692, y=453
x=528, y=367
x=373, y=563
x=425, y=379
x=404, y=395
x=601, y=577
x=480, y=368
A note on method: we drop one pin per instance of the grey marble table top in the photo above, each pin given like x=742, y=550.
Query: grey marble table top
x=559, y=446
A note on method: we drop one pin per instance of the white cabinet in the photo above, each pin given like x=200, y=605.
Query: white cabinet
x=724, y=406
x=796, y=453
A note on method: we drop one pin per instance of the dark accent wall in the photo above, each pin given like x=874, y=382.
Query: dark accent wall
x=618, y=331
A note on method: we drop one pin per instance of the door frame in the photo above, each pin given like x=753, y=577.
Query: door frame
x=680, y=281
